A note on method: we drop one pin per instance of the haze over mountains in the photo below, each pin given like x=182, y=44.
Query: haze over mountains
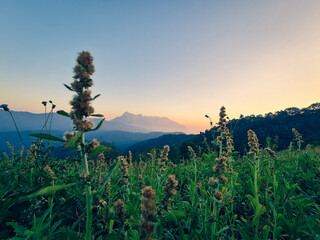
x=127, y=122
x=123, y=131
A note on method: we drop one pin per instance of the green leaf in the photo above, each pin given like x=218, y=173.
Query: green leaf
x=54, y=226
x=46, y=191
x=63, y=113
x=112, y=169
x=133, y=234
x=222, y=230
x=179, y=214
x=215, y=143
x=96, y=96
x=19, y=229
x=98, y=126
x=100, y=149
x=253, y=202
x=47, y=137
x=73, y=140
x=44, y=216
x=260, y=210
x=68, y=87
x=96, y=115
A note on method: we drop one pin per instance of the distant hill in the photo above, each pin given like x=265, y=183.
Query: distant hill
x=167, y=139
x=120, y=139
x=162, y=124
x=128, y=122
x=277, y=126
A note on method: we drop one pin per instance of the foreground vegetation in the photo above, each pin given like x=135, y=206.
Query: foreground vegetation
x=267, y=197
x=213, y=193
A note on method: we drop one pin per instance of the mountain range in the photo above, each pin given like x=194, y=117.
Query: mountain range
x=122, y=131
x=126, y=122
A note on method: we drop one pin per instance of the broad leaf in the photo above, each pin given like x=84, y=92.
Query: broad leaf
x=133, y=234
x=96, y=96
x=215, y=143
x=223, y=229
x=100, y=149
x=46, y=137
x=98, y=126
x=68, y=87
x=63, y=113
x=96, y=115
x=46, y=191
x=73, y=140
x=19, y=229
x=234, y=153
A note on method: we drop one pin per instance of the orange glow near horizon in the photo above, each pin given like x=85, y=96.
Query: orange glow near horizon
x=176, y=60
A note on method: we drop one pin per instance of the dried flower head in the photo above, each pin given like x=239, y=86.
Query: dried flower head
x=222, y=120
x=101, y=156
x=253, y=143
x=229, y=142
x=218, y=195
x=192, y=152
x=124, y=170
x=49, y=172
x=213, y=182
x=164, y=156
x=81, y=102
x=102, y=202
x=148, y=212
x=120, y=210
x=223, y=179
x=297, y=137
x=95, y=143
x=271, y=153
x=169, y=191
x=141, y=181
x=130, y=159
x=84, y=126
x=68, y=135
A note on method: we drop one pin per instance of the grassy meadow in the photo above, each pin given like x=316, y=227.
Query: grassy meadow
x=277, y=199
x=215, y=193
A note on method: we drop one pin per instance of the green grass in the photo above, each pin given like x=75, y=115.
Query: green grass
x=280, y=201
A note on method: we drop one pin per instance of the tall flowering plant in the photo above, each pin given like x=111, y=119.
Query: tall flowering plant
x=81, y=109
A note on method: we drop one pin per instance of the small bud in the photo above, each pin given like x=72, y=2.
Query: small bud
x=5, y=107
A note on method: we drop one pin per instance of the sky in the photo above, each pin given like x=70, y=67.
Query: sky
x=180, y=59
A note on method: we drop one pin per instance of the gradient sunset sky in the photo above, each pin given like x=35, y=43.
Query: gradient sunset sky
x=179, y=59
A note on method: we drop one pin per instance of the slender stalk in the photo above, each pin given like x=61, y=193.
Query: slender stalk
x=45, y=123
x=50, y=121
x=14, y=122
x=256, y=189
x=195, y=182
x=215, y=203
x=87, y=189
x=45, y=118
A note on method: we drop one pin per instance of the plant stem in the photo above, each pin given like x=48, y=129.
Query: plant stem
x=88, y=190
x=14, y=122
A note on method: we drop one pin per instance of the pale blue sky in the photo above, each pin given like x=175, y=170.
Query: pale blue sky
x=180, y=59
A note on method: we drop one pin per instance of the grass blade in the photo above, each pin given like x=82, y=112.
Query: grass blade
x=112, y=169
x=46, y=191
